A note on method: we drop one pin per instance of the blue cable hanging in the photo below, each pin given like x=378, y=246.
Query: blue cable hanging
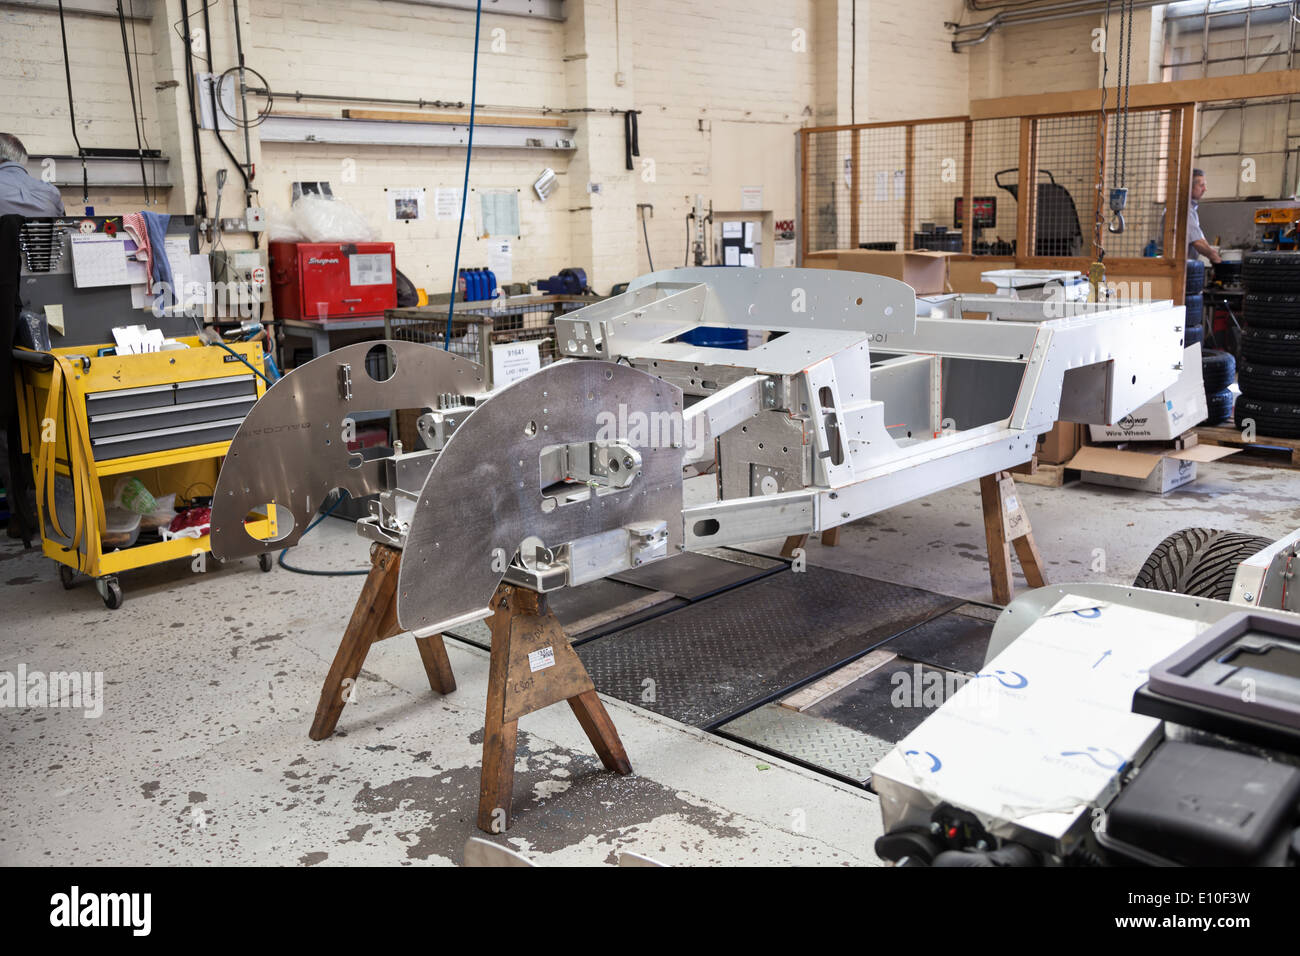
x=464, y=189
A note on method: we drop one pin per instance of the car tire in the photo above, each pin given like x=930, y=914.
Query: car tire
x=1219, y=406
x=1218, y=370
x=1272, y=419
x=1199, y=561
x=1271, y=347
x=1271, y=271
x=1269, y=382
x=1273, y=310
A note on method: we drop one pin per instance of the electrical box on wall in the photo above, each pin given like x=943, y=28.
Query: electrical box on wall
x=243, y=275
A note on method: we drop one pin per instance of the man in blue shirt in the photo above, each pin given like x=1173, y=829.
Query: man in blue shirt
x=1196, y=241
x=20, y=193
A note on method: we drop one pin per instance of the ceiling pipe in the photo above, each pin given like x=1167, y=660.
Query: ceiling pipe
x=1009, y=16
x=1062, y=11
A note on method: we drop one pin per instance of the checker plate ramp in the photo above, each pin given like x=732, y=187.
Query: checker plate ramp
x=572, y=605
x=954, y=641
x=810, y=740
x=693, y=576
x=707, y=661
x=706, y=573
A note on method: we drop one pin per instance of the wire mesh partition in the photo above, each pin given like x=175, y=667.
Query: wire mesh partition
x=882, y=188
x=828, y=176
x=1033, y=188
x=936, y=183
x=995, y=149
x=1064, y=205
x=477, y=327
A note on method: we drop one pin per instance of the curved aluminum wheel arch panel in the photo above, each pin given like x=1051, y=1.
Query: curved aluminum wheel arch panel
x=484, y=491
x=289, y=452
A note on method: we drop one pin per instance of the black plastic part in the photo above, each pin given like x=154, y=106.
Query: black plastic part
x=266, y=561
x=907, y=847
x=1205, y=806
x=1212, y=720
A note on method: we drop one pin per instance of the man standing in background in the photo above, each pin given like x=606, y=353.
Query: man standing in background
x=21, y=196
x=1196, y=243
x=20, y=193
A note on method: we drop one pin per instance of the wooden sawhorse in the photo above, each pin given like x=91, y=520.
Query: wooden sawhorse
x=374, y=619
x=1006, y=525
x=533, y=666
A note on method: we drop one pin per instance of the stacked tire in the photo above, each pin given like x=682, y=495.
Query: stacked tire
x=1269, y=371
x=1218, y=371
x=1194, y=323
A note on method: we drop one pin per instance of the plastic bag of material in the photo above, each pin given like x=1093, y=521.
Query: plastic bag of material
x=331, y=220
x=131, y=495
x=280, y=225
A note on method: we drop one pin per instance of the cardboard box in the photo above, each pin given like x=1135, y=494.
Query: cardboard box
x=926, y=272
x=964, y=273
x=1060, y=444
x=826, y=259
x=1157, y=471
x=1178, y=408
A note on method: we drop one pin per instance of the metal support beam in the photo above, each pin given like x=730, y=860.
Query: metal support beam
x=350, y=132
x=102, y=170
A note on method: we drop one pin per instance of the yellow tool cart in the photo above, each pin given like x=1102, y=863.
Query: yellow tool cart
x=89, y=422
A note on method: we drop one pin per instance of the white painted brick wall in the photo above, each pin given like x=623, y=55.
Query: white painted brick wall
x=35, y=102
x=684, y=63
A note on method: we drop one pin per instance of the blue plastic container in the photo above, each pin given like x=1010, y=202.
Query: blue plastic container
x=712, y=336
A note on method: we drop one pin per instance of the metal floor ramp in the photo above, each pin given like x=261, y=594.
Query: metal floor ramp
x=801, y=665
x=713, y=660
x=846, y=723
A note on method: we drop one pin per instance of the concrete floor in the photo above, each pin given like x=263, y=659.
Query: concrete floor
x=202, y=754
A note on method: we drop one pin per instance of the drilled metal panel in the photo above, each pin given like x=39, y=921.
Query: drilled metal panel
x=797, y=298
x=811, y=740
x=289, y=451
x=715, y=657
x=483, y=496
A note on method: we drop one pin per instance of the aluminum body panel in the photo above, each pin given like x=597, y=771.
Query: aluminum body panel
x=797, y=298
x=484, y=495
x=290, y=450
x=1267, y=579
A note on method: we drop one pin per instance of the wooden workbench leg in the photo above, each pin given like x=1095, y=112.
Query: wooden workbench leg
x=831, y=537
x=793, y=542
x=433, y=652
x=998, y=547
x=365, y=627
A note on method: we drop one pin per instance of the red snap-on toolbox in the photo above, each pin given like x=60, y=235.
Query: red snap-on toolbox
x=332, y=280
